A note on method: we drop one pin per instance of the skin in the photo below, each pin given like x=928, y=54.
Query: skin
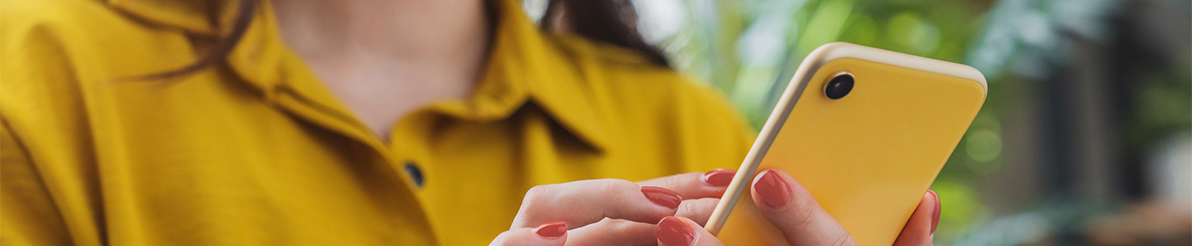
x=383, y=59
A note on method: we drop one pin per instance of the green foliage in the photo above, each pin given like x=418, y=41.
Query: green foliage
x=749, y=50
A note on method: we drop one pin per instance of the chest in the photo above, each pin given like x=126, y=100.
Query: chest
x=256, y=168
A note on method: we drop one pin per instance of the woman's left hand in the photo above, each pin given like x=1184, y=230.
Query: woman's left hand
x=613, y=211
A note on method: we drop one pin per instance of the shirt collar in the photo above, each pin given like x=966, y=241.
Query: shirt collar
x=525, y=65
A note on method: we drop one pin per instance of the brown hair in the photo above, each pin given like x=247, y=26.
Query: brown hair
x=607, y=21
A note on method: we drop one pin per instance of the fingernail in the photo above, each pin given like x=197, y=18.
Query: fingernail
x=935, y=216
x=772, y=189
x=552, y=229
x=672, y=231
x=662, y=196
x=720, y=177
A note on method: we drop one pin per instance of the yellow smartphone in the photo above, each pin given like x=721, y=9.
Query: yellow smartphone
x=866, y=131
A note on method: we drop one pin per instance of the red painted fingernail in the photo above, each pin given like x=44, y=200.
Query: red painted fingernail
x=935, y=216
x=772, y=189
x=662, y=196
x=672, y=231
x=552, y=229
x=720, y=177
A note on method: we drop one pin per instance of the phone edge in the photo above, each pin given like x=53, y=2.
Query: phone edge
x=765, y=138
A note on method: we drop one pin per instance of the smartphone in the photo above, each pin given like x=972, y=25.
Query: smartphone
x=866, y=131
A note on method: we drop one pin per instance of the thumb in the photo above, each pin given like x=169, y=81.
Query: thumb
x=678, y=231
x=789, y=206
x=549, y=234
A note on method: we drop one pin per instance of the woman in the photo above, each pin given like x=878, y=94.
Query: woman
x=360, y=122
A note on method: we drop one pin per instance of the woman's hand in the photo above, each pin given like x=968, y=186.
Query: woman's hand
x=789, y=206
x=613, y=211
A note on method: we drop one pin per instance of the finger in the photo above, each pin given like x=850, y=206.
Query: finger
x=584, y=202
x=624, y=232
x=698, y=210
x=921, y=225
x=549, y=234
x=790, y=207
x=612, y=232
x=677, y=231
x=696, y=185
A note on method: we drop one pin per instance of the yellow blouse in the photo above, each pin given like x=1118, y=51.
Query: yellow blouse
x=256, y=151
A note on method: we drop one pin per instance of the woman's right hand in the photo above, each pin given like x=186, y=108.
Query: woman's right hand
x=793, y=211
x=612, y=211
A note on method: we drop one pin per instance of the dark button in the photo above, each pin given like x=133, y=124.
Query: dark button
x=415, y=173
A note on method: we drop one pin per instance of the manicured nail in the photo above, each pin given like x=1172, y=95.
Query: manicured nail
x=935, y=216
x=552, y=229
x=672, y=231
x=662, y=196
x=772, y=189
x=720, y=177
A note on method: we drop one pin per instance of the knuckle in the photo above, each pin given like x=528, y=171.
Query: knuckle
x=804, y=217
x=617, y=226
x=614, y=194
x=692, y=177
x=687, y=207
x=610, y=231
x=680, y=180
x=536, y=194
x=620, y=184
x=791, y=218
x=697, y=207
x=842, y=238
x=705, y=205
x=617, y=186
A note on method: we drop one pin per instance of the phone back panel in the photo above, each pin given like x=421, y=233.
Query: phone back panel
x=869, y=157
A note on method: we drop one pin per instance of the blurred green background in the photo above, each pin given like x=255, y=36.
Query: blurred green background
x=1083, y=140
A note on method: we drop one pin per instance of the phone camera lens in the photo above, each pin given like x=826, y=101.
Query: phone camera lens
x=839, y=86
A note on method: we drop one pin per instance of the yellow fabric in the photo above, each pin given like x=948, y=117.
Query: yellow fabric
x=256, y=151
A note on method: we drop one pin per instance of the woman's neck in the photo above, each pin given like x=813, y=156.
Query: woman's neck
x=384, y=58
x=416, y=29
